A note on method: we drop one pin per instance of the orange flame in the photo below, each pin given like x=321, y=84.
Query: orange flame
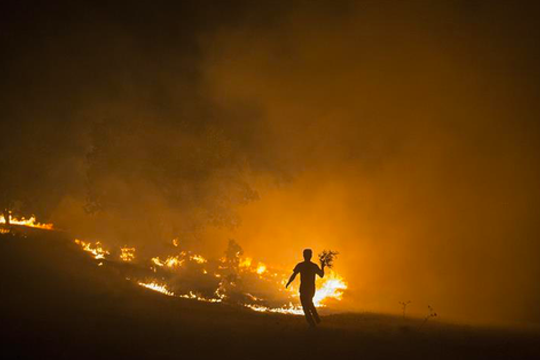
x=97, y=250
x=261, y=268
x=329, y=287
x=127, y=254
x=162, y=288
x=286, y=309
x=31, y=222
x=171, y=261
x=157, y=287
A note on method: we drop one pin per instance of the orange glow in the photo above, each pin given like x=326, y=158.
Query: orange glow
x=127, y=254
x=171, y=262
x=31, y=222
x=286, y=309
x=198, y=259
x=329, y=287
x=245, y=262
x=261, y=268
x=157, y=287
x=163, y=289
x=97, y=250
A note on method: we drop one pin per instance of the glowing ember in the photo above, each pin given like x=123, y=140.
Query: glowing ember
x=174, y=261
x=127, y=254
x=245, y=265
x=157, y=261
x=97, y=250
x=171, y=261
x=178, y=260
x=245, y=262
x=198, y=259
x=192, y=295
x=32, y=222
x=287, y=309
x=162, y=288
x=157, y=287
x=4, y=231
x=261, y=268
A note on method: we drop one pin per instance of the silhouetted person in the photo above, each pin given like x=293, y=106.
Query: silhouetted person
x=307, y=271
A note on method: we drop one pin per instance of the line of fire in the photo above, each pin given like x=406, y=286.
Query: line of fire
x=232, y=279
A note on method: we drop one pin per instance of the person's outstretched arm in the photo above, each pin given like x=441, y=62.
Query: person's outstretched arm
x=320, y=271
x=291, y=279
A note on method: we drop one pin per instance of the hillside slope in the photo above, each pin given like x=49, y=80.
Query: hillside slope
x=57, y=303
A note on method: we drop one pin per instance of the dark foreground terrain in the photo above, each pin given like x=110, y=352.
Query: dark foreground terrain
x=56, y=303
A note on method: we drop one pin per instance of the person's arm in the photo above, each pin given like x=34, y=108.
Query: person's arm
x=320, y=271
x=291, y=279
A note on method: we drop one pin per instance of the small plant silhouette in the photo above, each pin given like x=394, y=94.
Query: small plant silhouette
x=431, y=314
x=404, y=306
x=326, y=258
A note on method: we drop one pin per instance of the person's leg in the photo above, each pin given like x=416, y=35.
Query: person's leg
x=314, y=313
x=305, y=301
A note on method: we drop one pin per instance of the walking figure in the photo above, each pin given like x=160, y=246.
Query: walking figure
x=308, y=270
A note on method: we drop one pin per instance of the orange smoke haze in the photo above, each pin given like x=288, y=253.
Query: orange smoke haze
x=402, y=134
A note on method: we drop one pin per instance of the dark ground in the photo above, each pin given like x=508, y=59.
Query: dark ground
x=56, y=303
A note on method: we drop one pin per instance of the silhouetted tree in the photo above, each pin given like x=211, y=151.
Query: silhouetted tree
x=192, y=170
x=36, y=167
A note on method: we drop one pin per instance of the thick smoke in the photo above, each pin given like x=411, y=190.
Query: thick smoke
x=402, y=134
x=412, y=133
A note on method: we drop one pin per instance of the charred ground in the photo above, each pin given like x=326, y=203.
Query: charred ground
x=56, y=302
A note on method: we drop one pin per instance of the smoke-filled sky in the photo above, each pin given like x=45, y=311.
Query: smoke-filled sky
x=403, y=134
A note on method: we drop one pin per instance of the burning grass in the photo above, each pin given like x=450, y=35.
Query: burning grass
x=138, y=326
x=95, y=249
x=127, y=254
x=233, y=278
x=157, y=287
x=30, y=222
x=331, y=286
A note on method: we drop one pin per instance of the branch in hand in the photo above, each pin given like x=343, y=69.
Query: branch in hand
x=326, y=258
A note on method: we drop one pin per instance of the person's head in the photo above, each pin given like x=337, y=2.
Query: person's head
x=308, y=254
